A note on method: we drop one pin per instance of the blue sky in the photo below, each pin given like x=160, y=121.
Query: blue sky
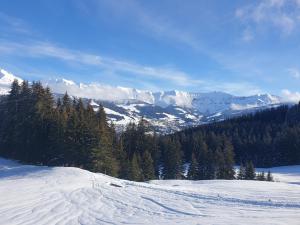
x=237, y=46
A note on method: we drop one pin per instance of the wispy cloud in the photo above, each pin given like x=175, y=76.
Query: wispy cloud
x=116, y=66
x=163, y=29
x=13, y=24
x=294, y=72
x=164, y=26
x=281, y=14
x=46, y=49
x=149, y=22
x=161, y=26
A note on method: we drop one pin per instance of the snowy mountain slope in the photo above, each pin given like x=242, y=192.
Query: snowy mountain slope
x=166, y=119
x=163, y=119
x=60, y=195
x=167, y=111
x=219, y=102
x=6, y=79
x=203, y=102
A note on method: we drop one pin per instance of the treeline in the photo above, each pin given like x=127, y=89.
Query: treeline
x=247, y=172
x=267, y=138
x=36, y=128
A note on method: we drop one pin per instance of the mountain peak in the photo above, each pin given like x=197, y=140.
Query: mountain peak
x=6, y=79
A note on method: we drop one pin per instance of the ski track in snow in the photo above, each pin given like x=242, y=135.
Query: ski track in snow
x=60, y=196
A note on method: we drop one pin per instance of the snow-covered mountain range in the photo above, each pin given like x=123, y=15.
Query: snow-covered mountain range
x=167, y=111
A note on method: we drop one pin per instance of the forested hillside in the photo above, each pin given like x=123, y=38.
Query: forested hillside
x=37, y=129
x=267, y=138
x=34, y=128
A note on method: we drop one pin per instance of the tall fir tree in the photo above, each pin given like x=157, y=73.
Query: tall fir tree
x=147, y=166
x=193, y=172
x=242, y=172
x=250, y=171
x=269, y=177
x=172, y=159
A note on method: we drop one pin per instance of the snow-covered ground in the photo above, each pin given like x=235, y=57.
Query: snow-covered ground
x=56, y=195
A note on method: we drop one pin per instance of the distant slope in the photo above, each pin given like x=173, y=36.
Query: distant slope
x=267, y=138
x=45, y=196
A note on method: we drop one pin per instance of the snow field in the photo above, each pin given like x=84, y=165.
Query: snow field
x=60, y=195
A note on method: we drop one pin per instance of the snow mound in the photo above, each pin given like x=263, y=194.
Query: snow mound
x=60, y=195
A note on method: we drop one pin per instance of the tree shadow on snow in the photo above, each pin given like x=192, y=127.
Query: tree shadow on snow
x=9, y=168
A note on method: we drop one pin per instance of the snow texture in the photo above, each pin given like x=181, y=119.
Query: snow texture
x=59, y=195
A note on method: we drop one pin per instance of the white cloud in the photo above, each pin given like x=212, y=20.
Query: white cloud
x=294, y=72
x=289, y=96
x=119, y=67
x=285, y=23
x=280, y=14
x=45, y=49
x=157, y=25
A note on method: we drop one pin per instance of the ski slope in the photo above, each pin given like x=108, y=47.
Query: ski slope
x=57, y=195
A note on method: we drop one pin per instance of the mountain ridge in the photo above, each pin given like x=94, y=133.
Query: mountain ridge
x=160, y=98
x=168, y=111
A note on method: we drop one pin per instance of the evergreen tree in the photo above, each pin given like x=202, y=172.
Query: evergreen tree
x=147, y=166
x=204, y=161
x=172, y=159
x=103, y=161
x=193, y=172
x=249, y=171
x=11, y=122
x=135, y=170
x=269, y=177
x=242, y=173
x=228, y=156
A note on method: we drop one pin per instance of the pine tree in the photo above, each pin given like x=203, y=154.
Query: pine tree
x=228, y=153
x=193, y=172
x=135, y=170
x=103, y=161
x=11, y=122
x=249, y=171
x=147, y=166
x=203, y=161
x=172, y=160
x=219, y=162
x=242, y=173
x=269, y=177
